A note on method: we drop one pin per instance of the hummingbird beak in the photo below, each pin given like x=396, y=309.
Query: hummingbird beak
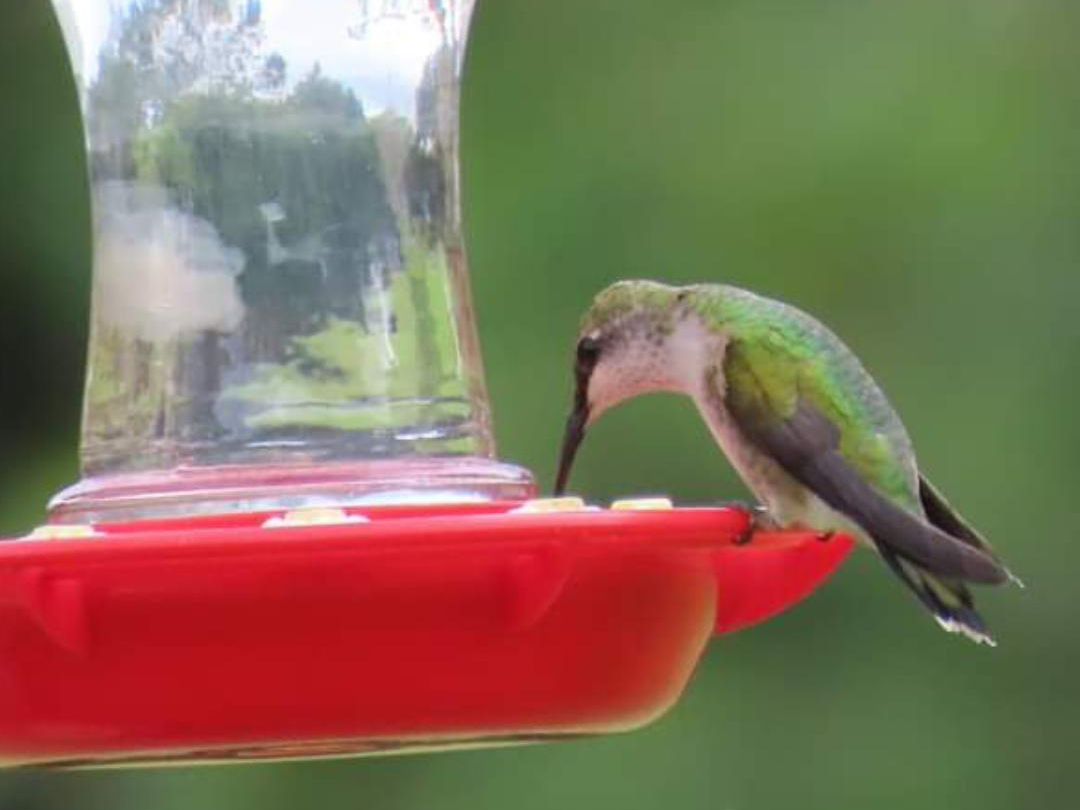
x=575, y=423
x=588, y=353
x=575, y=432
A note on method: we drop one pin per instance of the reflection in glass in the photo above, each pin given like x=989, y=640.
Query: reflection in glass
x=279, y=276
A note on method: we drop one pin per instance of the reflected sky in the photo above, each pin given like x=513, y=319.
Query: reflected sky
x=377, y=48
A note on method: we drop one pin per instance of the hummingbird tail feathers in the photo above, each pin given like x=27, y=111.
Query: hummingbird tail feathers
x=948, y=599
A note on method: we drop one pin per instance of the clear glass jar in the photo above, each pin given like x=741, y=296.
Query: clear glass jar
x=281, y=311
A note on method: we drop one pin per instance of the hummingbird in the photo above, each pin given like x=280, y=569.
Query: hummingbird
x=802, y=422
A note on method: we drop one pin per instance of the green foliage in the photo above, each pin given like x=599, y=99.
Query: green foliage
x=295, y=185
x=345, y=376
x=313, y=157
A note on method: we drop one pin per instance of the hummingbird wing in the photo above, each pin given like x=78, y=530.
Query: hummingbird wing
x=941, y=514
x=786, y=410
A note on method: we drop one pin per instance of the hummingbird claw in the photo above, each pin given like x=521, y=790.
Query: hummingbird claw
x=745, y=536
x=825, y=537
x=758, y=520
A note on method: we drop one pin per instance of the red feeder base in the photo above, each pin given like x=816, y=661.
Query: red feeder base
x=219, y=638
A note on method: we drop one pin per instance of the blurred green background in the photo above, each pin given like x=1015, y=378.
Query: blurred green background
x=906, y=170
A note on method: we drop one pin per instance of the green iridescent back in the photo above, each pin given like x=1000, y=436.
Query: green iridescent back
x=778, y=354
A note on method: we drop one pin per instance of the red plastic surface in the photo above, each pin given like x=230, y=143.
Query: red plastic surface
x=213, y=637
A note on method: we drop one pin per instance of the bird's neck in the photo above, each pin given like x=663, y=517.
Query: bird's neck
x=691, y=351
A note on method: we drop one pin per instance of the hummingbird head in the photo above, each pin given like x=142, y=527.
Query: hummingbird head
x=624, y=348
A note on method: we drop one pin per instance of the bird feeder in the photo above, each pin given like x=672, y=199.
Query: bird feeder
x=293, y=537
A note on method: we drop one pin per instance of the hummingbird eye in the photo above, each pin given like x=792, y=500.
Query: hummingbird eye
x=588, y=351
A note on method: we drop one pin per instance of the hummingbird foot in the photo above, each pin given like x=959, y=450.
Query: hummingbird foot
x=825, y=537
x=759, y=520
